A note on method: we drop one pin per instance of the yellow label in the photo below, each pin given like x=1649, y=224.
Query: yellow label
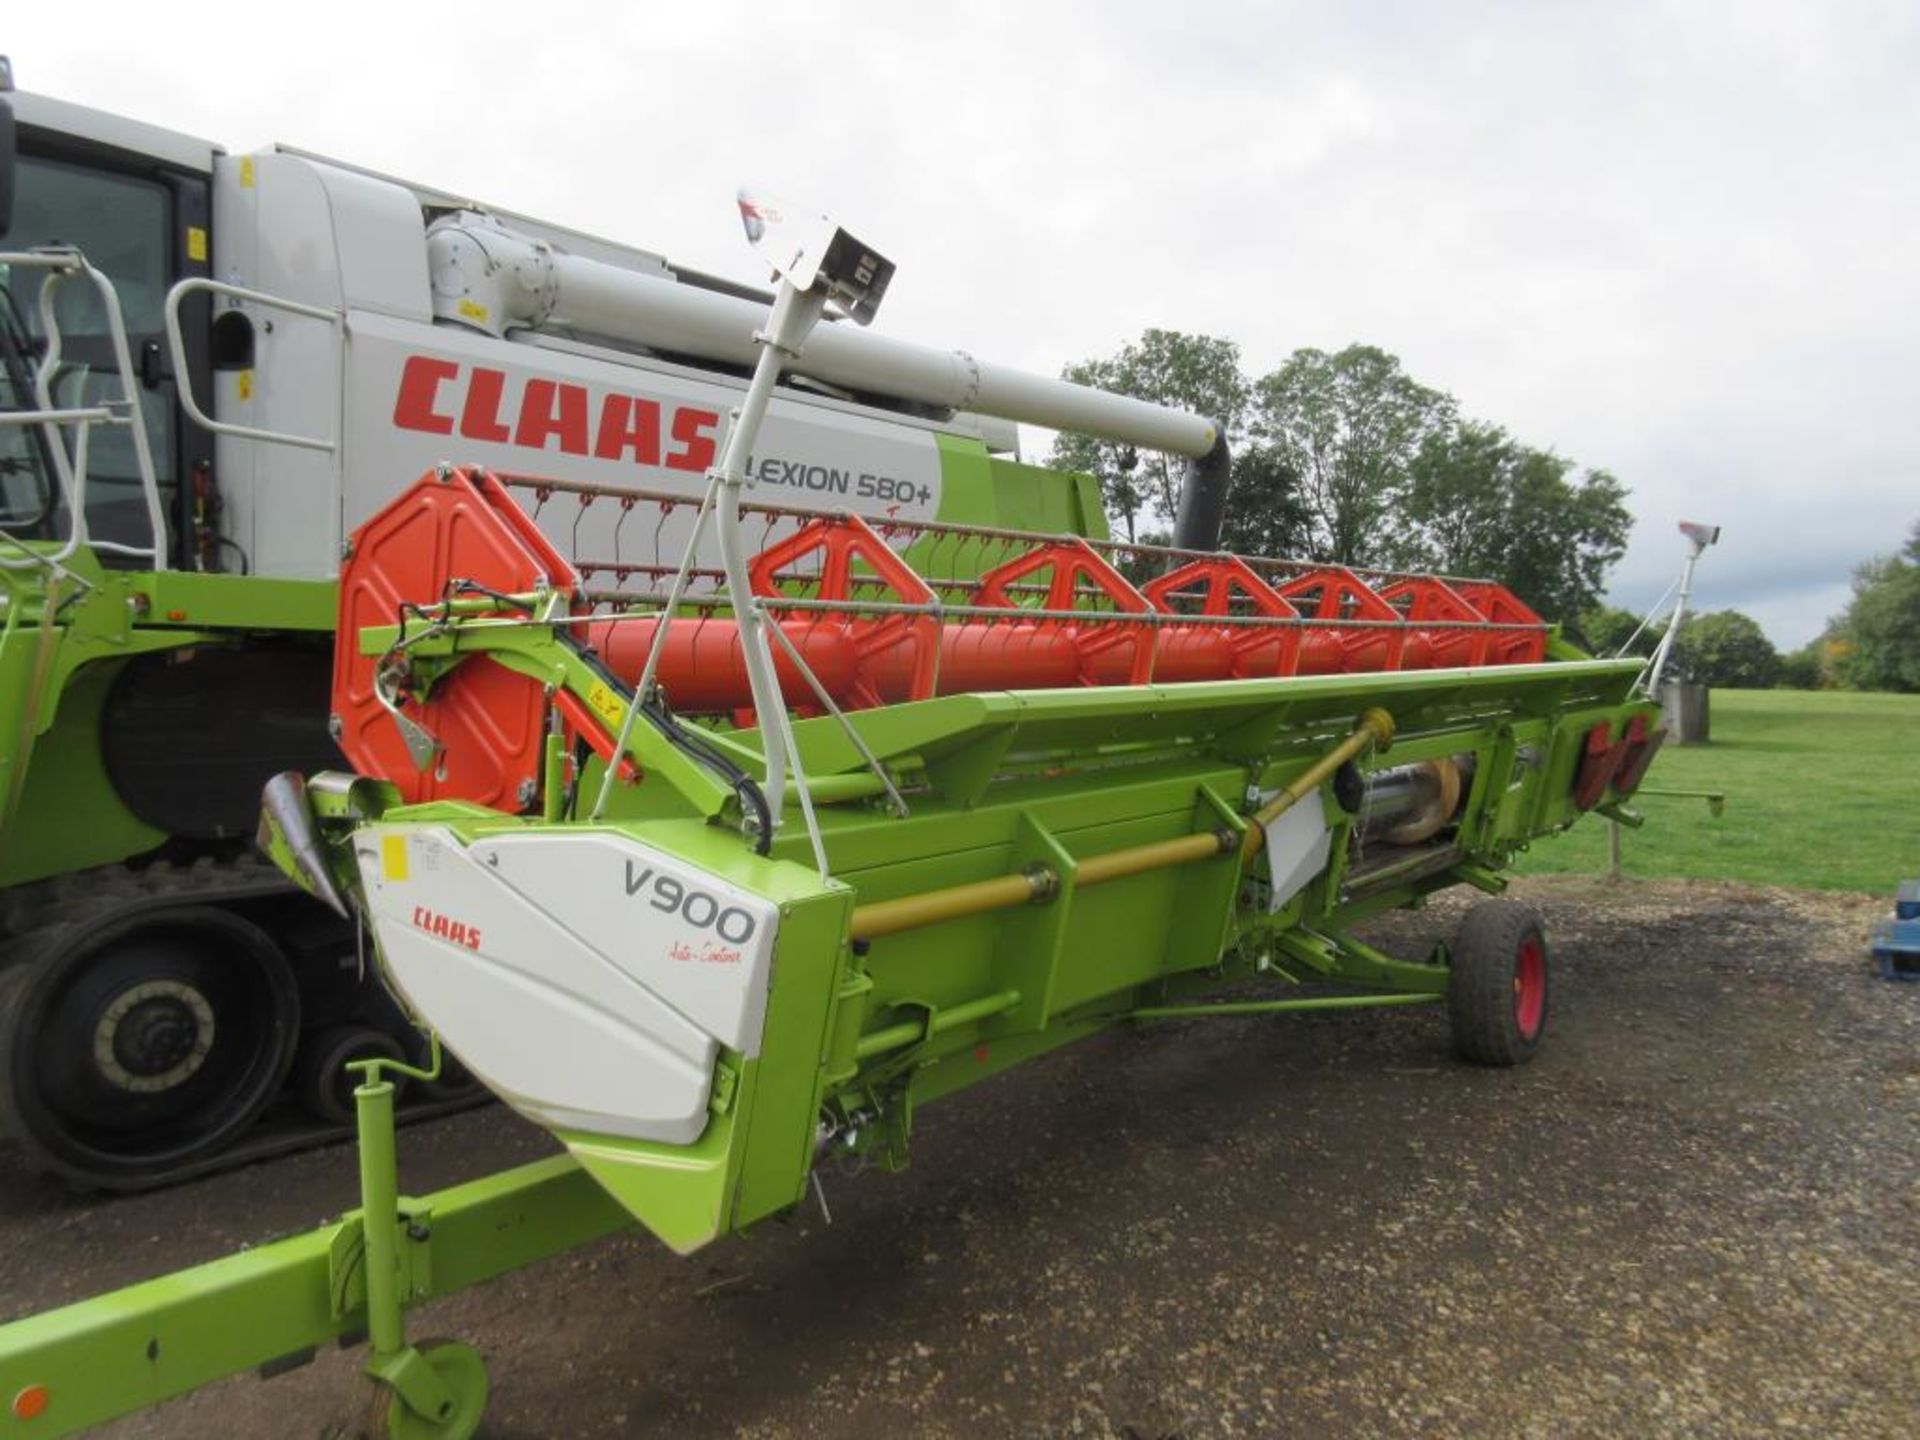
x=196, y=243
x=472, y=311
x=393, y=857
x=607, y=705
x=246, y=384
x=246, y=172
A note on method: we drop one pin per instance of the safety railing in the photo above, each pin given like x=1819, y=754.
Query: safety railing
x=176, y=345
x=62, y=263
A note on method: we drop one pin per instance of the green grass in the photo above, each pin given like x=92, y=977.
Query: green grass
x=1823, y=792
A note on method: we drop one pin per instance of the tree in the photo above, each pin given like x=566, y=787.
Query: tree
x=1344, y=457
x=1609, y=630
x=1200, y=373
x=1879, y=634
x=1348, y=425
x=1801, y=669
x=1266, y=511
x=1479, y=503
x=1727, y=648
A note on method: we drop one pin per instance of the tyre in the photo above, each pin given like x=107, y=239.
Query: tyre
x=1499, y=993
x=142, y=1044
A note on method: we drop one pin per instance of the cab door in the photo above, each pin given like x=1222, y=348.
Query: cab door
x=144, y=226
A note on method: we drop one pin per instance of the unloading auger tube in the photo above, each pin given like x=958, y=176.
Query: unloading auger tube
x=489, y=277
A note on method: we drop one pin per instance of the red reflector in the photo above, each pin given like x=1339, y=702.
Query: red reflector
x=1640, y=754
x=1599, y=761
x=31, y=1402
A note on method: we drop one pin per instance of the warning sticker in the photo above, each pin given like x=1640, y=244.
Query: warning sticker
x=393, y=857
x=607, y=705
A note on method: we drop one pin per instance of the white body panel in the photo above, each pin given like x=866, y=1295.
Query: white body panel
x=608, y=1020
x=417, y=396
x=291, y=226
x=170, y=147
x=274, y=231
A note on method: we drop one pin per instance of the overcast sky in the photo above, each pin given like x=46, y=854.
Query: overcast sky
x=1677, y=241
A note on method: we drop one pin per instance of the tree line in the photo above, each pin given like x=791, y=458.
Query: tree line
x=1874, y=644
x=1343, y=457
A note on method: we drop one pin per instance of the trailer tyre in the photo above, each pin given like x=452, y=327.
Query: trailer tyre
x=1499, y=992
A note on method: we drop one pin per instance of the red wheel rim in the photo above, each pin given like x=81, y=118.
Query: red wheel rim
x=1530, y=986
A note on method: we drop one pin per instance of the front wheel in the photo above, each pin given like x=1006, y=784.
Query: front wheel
x=1499, y=991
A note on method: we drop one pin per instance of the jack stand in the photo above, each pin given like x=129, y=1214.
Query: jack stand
x=435, y=1392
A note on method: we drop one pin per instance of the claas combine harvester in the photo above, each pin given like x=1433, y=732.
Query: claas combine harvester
x=718, y=834
x=215, y=367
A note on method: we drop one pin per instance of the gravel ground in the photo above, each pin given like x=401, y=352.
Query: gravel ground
x=1697, y=1213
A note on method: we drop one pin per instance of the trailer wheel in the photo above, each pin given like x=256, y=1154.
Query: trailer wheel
x=321, y=1079
x=142, y=1043
x=462, y=1371
x=1499, y=992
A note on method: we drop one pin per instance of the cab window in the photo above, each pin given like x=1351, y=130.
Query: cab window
x=122, y=224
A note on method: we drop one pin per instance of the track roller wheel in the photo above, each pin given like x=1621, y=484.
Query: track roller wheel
x=321, y=1080
x=1499, y=992
x=462, y=1371
x=137, y=1046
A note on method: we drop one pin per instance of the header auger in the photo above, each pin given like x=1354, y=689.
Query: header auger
x=862, y=614
x=721, y=865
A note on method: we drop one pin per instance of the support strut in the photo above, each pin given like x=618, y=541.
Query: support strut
x=438, y=1393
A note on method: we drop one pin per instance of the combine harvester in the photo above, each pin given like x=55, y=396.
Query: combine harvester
x=213, y=369
x=721, y=857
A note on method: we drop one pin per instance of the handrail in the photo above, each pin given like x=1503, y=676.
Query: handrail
x=71, y=470
x=176, y=346
x=89, y=413
x=92, y=415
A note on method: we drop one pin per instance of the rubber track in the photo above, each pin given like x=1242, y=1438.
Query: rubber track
x=31, y=914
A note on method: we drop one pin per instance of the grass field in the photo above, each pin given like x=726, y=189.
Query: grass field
x=1823, y=791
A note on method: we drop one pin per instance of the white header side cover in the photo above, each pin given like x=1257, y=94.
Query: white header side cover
x=608, y=1020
